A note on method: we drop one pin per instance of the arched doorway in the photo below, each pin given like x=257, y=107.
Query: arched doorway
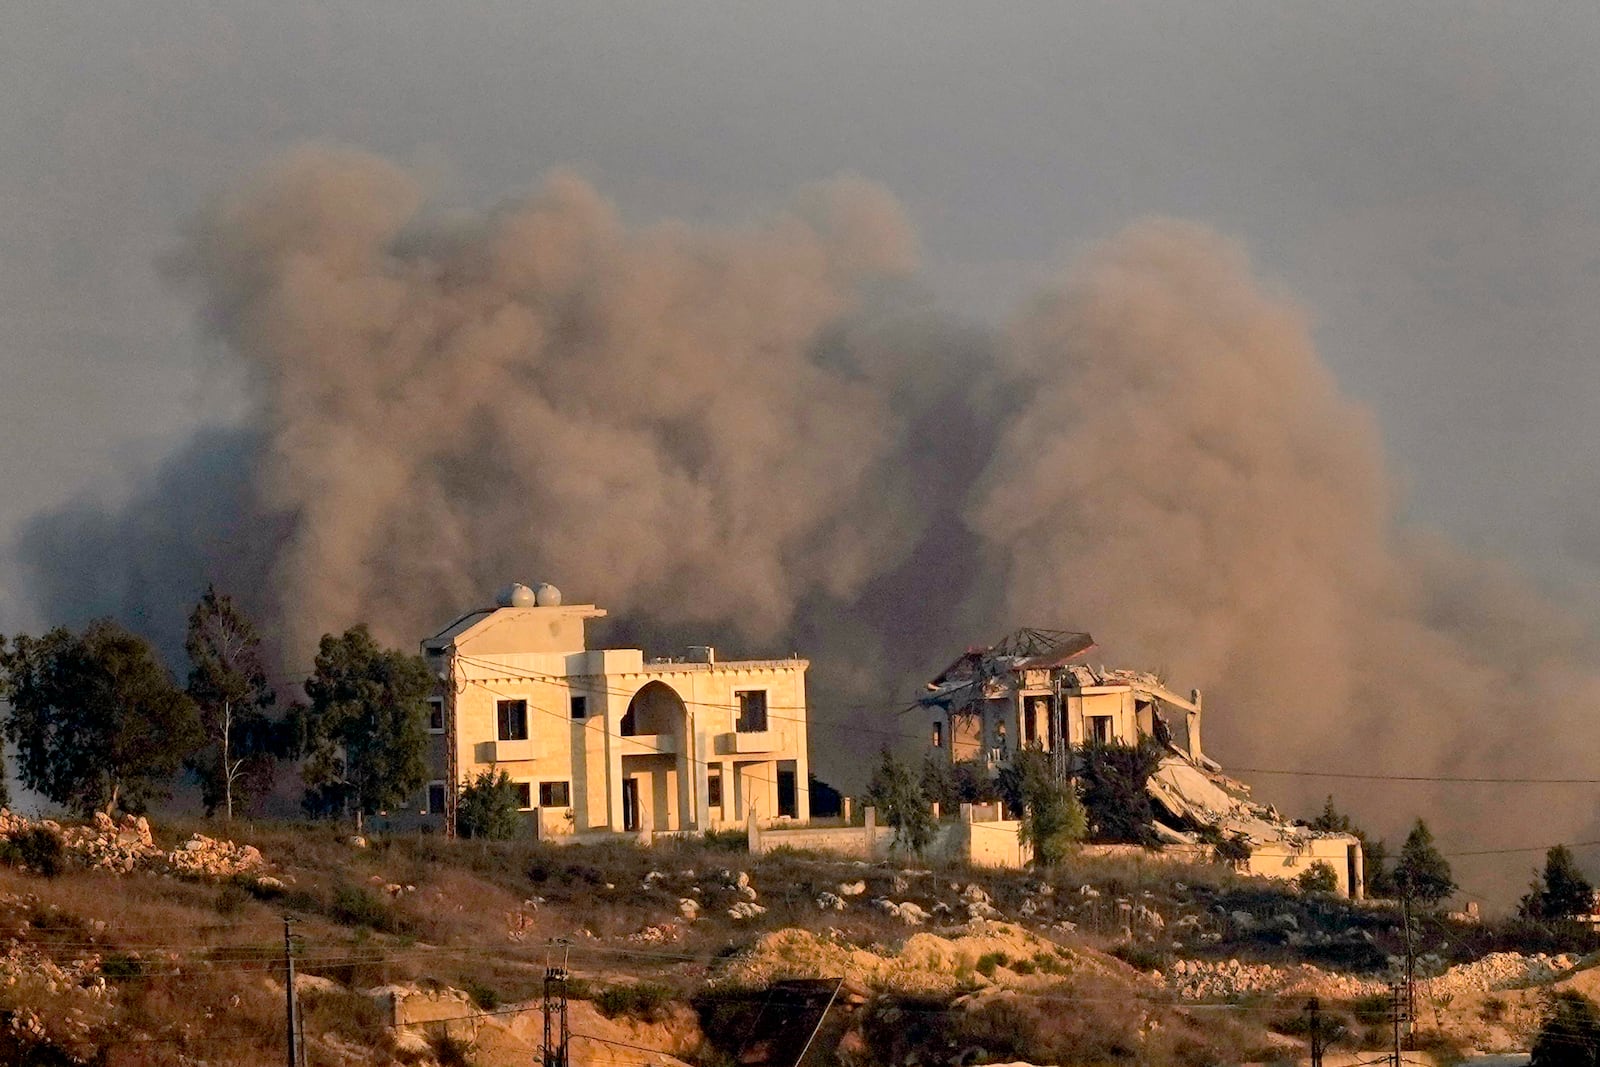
x=657, y=786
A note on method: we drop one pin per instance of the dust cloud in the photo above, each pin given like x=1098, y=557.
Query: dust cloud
x=764, y=435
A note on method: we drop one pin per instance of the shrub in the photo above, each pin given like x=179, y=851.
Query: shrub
x=642, y=1001
x=355, y=906
x=1113, y=781
x=38, y=849
x=727, y=840
x=990, y=961
x=485, y=997
x=489, y=808
x=120, y=965
x=1318, y=878
x=1234, y=850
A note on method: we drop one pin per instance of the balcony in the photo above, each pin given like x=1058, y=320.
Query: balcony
x=649, y=744
x=504, y=751
x=750, y=743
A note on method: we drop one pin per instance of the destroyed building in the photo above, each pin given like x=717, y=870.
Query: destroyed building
x=1032, y=689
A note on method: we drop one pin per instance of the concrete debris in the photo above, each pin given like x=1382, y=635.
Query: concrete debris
x=830, y=901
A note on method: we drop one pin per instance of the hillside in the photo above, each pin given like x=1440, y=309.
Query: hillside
x=164, y=945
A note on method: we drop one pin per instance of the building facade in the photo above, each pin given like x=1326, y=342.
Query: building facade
x=605, y=740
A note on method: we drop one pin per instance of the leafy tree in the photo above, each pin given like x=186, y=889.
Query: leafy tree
x=952, y=784
x=1318, y=878
x=1112, y=780
x=96, y=719
x=365, y=733
x=228, y=682
x=1053, y=820
x=1569, y=1035
x=1562, y=892
x=1422, y=872
x=489, y=808
x=901, y=803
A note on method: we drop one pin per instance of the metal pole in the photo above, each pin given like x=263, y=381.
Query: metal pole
x=290, y=1029
x=1411, y=971
x=1395, y=1012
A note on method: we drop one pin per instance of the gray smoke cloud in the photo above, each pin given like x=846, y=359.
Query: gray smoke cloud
x=763, y=435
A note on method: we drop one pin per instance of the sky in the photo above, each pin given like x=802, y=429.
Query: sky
x=1420, y=178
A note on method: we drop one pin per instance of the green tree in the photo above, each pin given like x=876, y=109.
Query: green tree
x=1562, y=892
x=1112, y=781
x=1422, y=872
x=1053, y=820
x=1569, y=1035
x=1374, y=854
x=365, y=732
x=96, y=719
x=1318, y=878
x=228, y=683
x=489, y=808
x=901, y=803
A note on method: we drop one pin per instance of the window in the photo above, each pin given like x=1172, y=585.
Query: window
x=513, y=717
x=788, y=804
x=714, y=789
x=555, y=795
x=435, y=798
x=752, y=710
x=436, y=714
x=524, y=793
x=580, y=707
x=1101, y=727
x=938, y=735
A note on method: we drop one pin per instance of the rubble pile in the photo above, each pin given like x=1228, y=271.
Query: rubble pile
x=126, y=846
x=1223, y=979
x=1501, y=970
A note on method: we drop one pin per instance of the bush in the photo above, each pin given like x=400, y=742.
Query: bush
x=488, y=808
x=355, y=906
x=989, y=962
x=1233, y=851
x=485, y=997
x=38, y=849
x=1113, y=781
x=1318, y=878
x=727, y=840
x=644, y=1001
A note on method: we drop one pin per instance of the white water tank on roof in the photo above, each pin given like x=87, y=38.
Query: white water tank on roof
x=547, y=595
x=515, y=595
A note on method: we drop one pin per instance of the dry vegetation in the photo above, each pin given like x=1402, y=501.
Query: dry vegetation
x=192, y=970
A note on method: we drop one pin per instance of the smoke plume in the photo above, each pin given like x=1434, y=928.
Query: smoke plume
x=763, y=436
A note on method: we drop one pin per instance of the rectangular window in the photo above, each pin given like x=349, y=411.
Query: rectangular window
x=938, y=735
x=752, y=710
x=555, y=795
x=580, y=707
x=513, y=719
x=435, y=798
x=524, y=793
x=436, y=714
x=714, y=789
x=1101, y=725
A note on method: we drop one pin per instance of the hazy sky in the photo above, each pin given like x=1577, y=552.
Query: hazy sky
x=1422, y=177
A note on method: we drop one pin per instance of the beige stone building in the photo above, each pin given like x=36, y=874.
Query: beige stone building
x=605, y=740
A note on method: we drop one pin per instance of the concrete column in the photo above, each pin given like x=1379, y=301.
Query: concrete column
x=613, y=727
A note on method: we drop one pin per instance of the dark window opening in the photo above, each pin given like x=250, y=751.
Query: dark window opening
x=580, y=707
x=714, y=789
x=436, y=714
x=752, y=710
x=513, y=719
x=524, y=793
x=938, y=735
x=630, y=724
x=555, y=794
x=1101, y=727
x=436, y=798
x=788, y=796
x=630, y=804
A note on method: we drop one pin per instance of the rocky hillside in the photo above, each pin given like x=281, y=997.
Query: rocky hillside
x=131, y=944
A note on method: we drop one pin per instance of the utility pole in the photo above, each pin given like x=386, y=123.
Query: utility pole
x=291, y=1027
x=1314, y=1010
x=1411, y=969
x=1396, y=1011
x=557, y=1033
